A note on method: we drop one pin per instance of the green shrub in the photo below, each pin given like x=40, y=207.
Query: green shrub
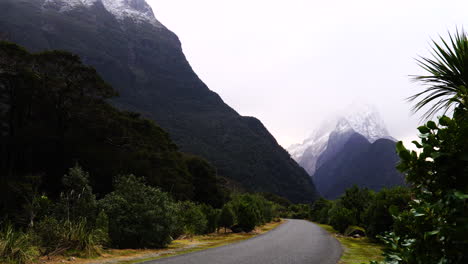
x=57, y=237
x=212, y=217
x=226, y=217
x=192, y=218
x=16, y=247
x=340, y=217
x=247, y=216
x=140, y=216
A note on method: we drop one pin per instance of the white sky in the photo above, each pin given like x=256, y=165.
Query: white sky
x=289, y=63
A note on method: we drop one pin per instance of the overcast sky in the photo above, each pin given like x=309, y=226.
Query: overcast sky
x=289, y=63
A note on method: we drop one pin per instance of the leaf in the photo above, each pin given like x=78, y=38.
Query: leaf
x=424, y=129
x=400, y=147
x=445, y=121
x=461, y=195
x=431, y=233
x=417, y=144
x=431, y=125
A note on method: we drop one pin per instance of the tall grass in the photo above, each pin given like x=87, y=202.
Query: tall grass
x=16, y=247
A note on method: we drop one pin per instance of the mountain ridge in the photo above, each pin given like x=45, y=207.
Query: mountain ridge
x=146, y=65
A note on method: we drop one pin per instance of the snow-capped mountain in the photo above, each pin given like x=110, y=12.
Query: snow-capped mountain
x=357, y=118
x=137, y=10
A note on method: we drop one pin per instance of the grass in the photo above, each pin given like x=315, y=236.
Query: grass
x=356, y=250
x=177, y=247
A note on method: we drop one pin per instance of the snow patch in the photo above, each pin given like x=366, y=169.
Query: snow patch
x=136, y=10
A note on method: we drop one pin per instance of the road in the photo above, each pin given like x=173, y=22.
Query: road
x=294, y=242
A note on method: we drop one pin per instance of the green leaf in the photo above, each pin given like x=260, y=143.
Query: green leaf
x=424, y=129
x=400, y=147
x=431, y=125
x=445, y=121
x=461, y=195
x=416, y=144
x=435, y=232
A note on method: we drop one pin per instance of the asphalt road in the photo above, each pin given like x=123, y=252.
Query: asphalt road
x=294, y=242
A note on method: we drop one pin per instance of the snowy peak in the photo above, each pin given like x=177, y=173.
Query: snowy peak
x=137, y=10
x=359, y=118
x=365, y=120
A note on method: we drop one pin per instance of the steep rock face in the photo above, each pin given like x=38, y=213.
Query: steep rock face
x=359, y=162
x=144, y=61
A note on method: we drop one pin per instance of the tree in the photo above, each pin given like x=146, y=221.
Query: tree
x=377, y=217
x=248, y=216
x=77, y=200
x=140, y=216
x=340, y=217
x=226, y=218
x=192, y=218
x=356, y=200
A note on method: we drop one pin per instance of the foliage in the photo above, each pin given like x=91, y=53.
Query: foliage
x=212, y=216
x=226, y=217
x=446, y=82
x=139, y=215
x=77, y=200
x=192, y=218
x=377, y=217
x=300, y=211
x=340, y=217
x=357, y=200
x=59, y=236
x=435, y=228
x=16, y=247
x=247, y=216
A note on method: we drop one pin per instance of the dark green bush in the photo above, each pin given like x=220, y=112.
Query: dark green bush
x=226, y=217
x=248, y=216
x=212, y=217
x=340, y=217
x=140, y=216
x=192, y=218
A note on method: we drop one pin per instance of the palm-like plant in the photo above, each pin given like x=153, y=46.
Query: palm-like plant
x=447, y=76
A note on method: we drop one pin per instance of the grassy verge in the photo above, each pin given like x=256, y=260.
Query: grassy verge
x=177, y=247
x=356, y=250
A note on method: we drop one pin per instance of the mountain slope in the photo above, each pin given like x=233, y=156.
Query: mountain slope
x=359, y=162
x=144, y=61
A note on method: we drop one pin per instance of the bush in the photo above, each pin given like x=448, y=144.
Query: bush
x=212, y=217
x=56, y=237
x=340, y=217
x=140, y=216
x=226, y=217
x=192, y=218
x=378, y=216
x=16, y=247
x=247, y=217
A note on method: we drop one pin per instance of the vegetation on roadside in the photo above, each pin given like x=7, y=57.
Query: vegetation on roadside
x=356, y=250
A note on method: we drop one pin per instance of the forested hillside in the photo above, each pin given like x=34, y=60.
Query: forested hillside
x=144, y=62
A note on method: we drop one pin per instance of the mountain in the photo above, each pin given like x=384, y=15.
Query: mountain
x=361, y=163
x=352, y=148
x=356, y=118
x=144, y=62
